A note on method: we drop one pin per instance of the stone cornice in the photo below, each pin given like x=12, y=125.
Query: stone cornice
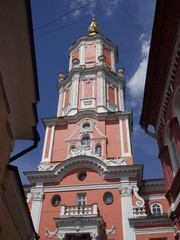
x=88, y=113
x=81, y=71
x=151, y=220
x=153, y=185
x=98, y=165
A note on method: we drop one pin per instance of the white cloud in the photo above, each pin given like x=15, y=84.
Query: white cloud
x=110, y=6
x=136, y=83
x=86, y=10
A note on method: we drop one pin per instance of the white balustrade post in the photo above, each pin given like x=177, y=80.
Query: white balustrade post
x=95, y=209
x=63, y=210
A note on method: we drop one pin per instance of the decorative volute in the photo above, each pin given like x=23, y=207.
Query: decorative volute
x=93, y=27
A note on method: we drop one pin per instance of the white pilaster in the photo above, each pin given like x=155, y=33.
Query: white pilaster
x=101, y=107
x=48, y=159
x=38, y=196
x=127, y=209
x=121, y=98
x=70, y=62
x=128, y=153
x=113, y=60
x=81, y=53
x=60, y=103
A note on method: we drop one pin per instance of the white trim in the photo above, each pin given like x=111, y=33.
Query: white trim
x=82, y=187
x=154, y=231
x=154, y=197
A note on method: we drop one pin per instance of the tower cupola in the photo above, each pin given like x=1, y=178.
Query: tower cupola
x=93, y=27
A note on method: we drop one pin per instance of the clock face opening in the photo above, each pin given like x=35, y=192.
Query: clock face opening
x=108, y=198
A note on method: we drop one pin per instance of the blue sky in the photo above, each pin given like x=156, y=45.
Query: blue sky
x=57, y=25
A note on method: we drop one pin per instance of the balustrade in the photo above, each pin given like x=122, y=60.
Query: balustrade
x=139, y=211
x=79, y=210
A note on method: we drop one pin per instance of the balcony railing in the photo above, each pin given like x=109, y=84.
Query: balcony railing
x=139, y=211
x=84, y=210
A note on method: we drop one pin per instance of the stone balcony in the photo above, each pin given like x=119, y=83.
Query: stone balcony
x=84, y=210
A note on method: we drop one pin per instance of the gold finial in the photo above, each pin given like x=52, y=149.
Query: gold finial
x=93, y=27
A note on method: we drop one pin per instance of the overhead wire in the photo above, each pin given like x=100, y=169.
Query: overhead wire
x=65, y=26
x=62, y=16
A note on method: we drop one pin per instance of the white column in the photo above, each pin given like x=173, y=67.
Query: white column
x=38, y=196
x=127, y=209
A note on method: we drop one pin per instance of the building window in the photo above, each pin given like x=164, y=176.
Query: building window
x=156, y=208
x=81, y=199
x=173, y=153
x=86, y=142
x=99, y=150
x=81, y=175
x=55, y=200
x=108, y=198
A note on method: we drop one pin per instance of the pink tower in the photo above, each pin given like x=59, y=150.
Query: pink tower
x=87, y=185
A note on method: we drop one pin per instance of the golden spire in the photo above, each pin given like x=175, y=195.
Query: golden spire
x=93, y=27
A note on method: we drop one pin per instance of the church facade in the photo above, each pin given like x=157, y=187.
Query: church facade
x=87, y=185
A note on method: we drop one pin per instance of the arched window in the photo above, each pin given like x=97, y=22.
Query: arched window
x=86, y=142
x=174, y=153
x=171, y=143
x=99, y=150
x=156, y=209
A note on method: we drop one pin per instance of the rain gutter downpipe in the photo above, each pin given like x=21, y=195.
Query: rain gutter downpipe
x=35, y=144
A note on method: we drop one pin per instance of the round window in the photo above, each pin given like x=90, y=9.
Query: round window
x=55, y=200
x=81, y=175
x=108, y=198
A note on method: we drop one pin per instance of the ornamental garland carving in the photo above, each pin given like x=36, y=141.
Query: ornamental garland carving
x=45, y=167
x=38, y=196
x=125, y=191
x=50, y=234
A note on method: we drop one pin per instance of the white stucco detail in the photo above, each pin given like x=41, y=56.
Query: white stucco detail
x=38, y=196
x=127, y=209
